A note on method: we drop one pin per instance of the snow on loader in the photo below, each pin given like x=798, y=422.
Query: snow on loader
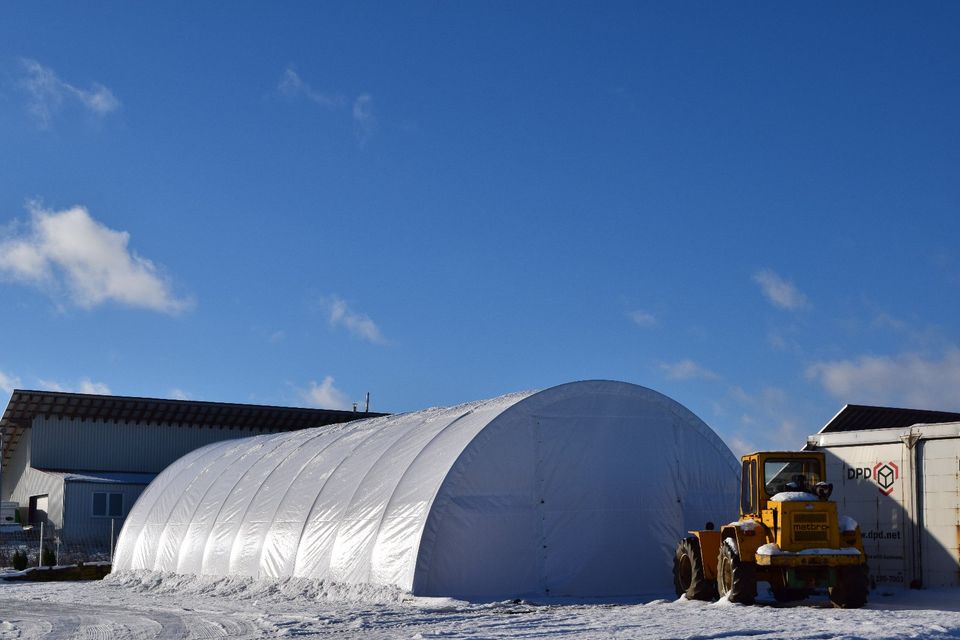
x=789, y=535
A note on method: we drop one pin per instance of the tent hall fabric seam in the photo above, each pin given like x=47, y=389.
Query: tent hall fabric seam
x=253, y=498
x=393, y=493
x=214, y=452
x=299, y=474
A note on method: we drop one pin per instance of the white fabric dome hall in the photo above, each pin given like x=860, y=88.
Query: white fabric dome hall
x=579, y=490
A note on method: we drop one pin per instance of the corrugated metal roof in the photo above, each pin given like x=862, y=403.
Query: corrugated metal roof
x=24, y=405
x=105, y=478
x=857, y=417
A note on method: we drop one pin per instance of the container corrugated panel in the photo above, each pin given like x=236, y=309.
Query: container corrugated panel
x=941, y=513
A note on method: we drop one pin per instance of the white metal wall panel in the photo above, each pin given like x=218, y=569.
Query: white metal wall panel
x=97, y=445
x=82, y=526
x=941, y=513
x=23, y=481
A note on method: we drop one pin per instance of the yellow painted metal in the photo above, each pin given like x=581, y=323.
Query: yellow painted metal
x=820, y=560
x=793, y=525
x=709, y=551
x=807, y=525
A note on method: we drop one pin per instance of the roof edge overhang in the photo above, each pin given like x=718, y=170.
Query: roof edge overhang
x=27, y=404
x=891, y=435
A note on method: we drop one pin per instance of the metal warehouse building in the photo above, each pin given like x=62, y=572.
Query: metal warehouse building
x=897, y=472
x=76, y=461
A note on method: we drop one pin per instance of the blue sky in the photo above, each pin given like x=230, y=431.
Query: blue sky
x=752, y=208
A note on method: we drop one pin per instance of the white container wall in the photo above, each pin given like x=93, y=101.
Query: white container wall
x=903, y=487
x=578, y=490
x=939, y=552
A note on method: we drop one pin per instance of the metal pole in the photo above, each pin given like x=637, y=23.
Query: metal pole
x=111, y=541
x=40, y=555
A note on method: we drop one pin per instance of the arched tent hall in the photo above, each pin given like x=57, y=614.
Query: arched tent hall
x=578, y=490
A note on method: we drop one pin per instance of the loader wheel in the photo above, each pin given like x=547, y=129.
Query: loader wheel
x=736, y=580
x=688, y=577
x=852, y=587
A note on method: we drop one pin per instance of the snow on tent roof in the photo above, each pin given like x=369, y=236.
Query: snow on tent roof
x=579, y=490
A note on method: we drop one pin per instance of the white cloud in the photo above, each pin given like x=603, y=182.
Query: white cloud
x=362, y=113
x=908, y=379
x=779, y=292
x=325, y=395
x=364, y=120
x=8, y=382
x=292, y=85
x=642, y=318
x=70, y=250
x=277, y=337
x=179, y=394
x=741, y=446
x=687, y=370
x=358, y=324
x=766, y=421
x=47, y=93
x=86, y=385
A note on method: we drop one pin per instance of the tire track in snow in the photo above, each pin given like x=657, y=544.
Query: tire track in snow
x=56, y=621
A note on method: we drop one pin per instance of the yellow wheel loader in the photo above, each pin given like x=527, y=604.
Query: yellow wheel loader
x=789, y=535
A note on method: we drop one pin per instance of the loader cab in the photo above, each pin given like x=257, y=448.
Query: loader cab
x=764, y=475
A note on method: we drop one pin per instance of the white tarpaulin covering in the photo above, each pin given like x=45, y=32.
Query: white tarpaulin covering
x=579, y=490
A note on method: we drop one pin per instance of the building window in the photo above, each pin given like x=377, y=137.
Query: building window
x=108, y=505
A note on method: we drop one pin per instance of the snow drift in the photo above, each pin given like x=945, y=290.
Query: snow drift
x=579, y=490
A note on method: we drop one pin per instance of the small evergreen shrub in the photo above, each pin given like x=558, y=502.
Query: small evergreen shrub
x=19, y=560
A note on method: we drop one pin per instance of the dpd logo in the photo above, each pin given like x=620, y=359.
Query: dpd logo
x=883, y=473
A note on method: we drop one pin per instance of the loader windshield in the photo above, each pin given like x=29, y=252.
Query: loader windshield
x=790, y=475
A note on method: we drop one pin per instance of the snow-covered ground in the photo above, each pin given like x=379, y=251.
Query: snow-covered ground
x=150, y=605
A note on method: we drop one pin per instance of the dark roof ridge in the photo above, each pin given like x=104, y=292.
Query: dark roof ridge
x=105, y=398
x=26, y=404
x=859, y=417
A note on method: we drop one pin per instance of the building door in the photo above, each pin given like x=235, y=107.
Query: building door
x=38, y=510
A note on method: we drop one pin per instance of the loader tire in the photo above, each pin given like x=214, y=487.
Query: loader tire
x=688, y=576
x=853, y=585
x=736, y=580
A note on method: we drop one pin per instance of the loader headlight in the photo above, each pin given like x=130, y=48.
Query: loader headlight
x=823, y=490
